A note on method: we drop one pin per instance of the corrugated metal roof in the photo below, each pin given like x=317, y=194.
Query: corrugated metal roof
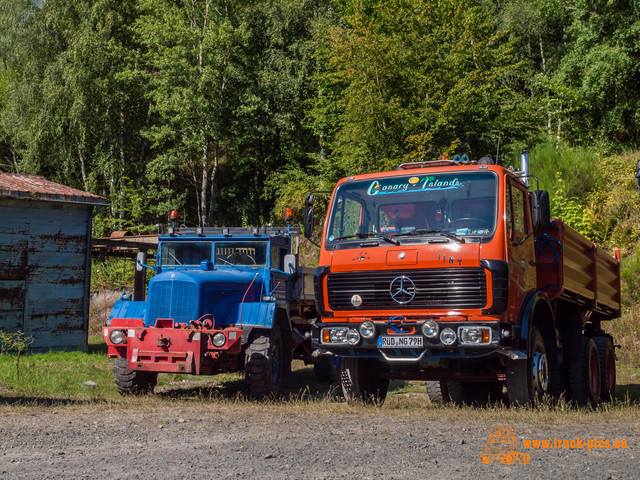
x=33, y=187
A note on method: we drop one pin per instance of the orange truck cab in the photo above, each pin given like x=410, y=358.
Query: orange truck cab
x=453, y=272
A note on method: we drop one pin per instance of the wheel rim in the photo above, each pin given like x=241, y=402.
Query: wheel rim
x=540, y=372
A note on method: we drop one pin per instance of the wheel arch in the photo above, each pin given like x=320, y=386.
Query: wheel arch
x=538, y=312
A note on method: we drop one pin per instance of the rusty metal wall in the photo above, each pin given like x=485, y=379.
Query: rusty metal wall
x=44, y=272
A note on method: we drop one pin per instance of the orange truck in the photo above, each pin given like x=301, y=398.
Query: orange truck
x=452, y=271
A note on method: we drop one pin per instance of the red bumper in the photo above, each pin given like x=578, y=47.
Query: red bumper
x=174, y=349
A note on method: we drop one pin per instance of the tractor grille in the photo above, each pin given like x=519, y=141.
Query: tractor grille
x=172, y=299
x=452, y=288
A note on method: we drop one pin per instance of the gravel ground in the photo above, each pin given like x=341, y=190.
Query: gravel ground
x=180, y=439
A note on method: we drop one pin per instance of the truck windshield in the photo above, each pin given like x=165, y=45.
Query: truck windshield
x=457, y=205
x=185, y=253
x=237, y=253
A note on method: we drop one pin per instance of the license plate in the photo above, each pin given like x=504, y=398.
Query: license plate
x=400, y=342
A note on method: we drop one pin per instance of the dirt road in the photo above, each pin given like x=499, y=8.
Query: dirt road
x=185, y=439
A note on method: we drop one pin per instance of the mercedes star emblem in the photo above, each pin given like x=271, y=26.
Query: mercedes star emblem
x=402, y=289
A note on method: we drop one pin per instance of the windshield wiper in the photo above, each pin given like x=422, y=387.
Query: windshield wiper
x=444, y=233
x=369, y=235
x=389, y=239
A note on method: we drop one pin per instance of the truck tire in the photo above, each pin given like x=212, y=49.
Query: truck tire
x=474, y=393
x=607, y=358
x=326, y=369
x=437, y=391
x=529, y=380
x=130, y=382
x=361, y=381
x=584, y=375
x=263, y=362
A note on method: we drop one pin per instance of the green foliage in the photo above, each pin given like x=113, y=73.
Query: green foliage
x=212, y=107
x=115, y=273
x=16, y=342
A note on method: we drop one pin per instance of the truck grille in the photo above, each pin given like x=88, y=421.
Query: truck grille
x=455, y=288
x=171, y=299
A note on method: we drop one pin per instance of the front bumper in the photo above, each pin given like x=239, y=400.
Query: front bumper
x=173, y=349
x=412, y=345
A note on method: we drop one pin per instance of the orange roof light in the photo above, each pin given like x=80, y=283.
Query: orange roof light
x=288, y=214
x=173, y=215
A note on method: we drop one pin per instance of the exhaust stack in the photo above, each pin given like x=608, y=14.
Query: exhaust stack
x=524, y=165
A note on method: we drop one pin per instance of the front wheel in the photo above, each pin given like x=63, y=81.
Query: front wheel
x=263, y=363
x=361, y=380
x=530, y=379
x=130, y=382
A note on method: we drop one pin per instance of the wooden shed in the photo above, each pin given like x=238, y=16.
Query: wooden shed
x=45, y=260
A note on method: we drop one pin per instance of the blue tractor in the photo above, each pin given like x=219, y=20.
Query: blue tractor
x=221, y=300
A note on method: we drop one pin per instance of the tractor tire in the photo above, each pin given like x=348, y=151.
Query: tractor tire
x=607, y=358
x=437, y=391
x=584, y=375
x=326, y=369
x=264, y=363
x=530, y=379
x=361, y=381
x=130, y=382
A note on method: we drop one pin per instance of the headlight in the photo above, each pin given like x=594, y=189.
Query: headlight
x=219, y=339
x=474, y=335
x=353, y=337
x=448, y=336
x=367, y=329
x=430, y=328
x=116, y=337
x=334, y=335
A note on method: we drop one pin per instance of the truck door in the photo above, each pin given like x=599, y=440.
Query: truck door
x=520, y=247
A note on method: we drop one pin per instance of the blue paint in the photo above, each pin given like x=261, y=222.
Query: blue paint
x=44, y=248
x=231, y=277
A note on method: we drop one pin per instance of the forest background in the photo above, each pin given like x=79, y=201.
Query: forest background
x=230, y=110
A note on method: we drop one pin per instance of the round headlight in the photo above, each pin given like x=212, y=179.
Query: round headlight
x=219, y=339
x=353, y=336
x=430, y=328
x=448, y=336
x=367, y=329
x=116, y=337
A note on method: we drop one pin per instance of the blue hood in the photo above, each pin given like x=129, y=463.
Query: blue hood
x=186, y=295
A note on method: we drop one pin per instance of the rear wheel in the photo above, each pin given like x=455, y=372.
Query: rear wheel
x=530, y=379
x=437, y=391
x=263, y=362
x=131, y=382
x=584, y=374
x=607, y=359
x=361, y=380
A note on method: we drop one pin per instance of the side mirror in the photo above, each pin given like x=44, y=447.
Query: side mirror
x=290, y=264
x=540, y=209
x=311, y=199
x=638, y=175
x=308, y=214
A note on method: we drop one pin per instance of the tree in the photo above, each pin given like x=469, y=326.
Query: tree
x=417, y=80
